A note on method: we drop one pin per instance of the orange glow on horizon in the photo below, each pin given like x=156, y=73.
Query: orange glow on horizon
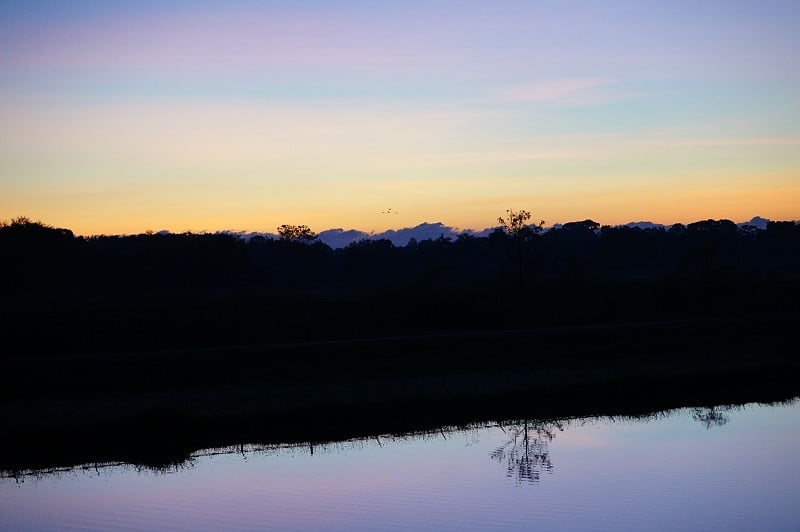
x=672, y=206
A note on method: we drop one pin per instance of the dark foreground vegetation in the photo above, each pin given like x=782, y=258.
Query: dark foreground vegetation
x=66, y=294
x=157, y=409
x=146, y=348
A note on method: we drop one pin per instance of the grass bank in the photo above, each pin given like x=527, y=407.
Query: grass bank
x=158, y=407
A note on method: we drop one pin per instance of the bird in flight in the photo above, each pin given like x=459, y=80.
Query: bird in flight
x=389, y=211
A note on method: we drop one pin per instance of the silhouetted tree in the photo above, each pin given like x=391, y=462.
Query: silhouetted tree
x=707, y=241
x=584, y=225
x=677, y=229
x=34, y=255
x=576, y=243
x=296, y=233
x=515, y=225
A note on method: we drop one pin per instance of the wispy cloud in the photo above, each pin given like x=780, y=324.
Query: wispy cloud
x=602, y=147
x=568, y=91
x=723, y=142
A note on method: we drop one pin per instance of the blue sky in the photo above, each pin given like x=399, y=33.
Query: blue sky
x=246, y=115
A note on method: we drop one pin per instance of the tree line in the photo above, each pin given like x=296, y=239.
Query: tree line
x=66, y=293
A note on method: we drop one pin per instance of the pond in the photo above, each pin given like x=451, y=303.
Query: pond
x=721, y=468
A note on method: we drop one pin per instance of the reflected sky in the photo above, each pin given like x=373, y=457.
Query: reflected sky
x=673, y=471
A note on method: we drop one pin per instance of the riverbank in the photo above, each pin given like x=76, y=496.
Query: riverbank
x=158, y=407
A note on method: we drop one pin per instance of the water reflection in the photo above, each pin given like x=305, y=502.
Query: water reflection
x=526, y=452
x=612, y=473
x=523, y=449
x=97, y=469
x=713, y=417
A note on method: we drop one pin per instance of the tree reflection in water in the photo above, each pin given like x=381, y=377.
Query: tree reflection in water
x=526, y=452
x=712, y=417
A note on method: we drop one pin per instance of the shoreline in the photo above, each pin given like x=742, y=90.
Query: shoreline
x=81, y=411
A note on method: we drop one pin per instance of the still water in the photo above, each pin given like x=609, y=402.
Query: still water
x=727, y=468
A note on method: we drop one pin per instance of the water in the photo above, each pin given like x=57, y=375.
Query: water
x=721, y=469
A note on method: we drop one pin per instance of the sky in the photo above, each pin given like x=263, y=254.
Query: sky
x=121, y=117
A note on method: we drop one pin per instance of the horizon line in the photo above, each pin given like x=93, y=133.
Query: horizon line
x=421, y=231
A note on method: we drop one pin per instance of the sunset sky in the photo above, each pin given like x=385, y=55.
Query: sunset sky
x=118, y=117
